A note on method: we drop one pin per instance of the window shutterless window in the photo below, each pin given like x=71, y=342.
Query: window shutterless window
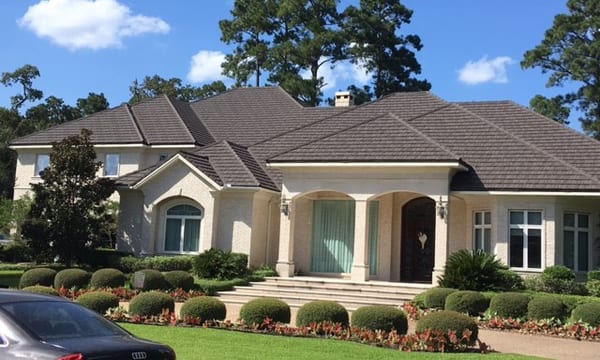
x=525, y=248
x=482, y=231
x=111, y=165
x=182, y=232
x=42, y=161
x=576, y=243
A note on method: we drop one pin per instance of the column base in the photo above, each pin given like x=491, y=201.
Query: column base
x=360, y=273
x=434, y=276
x=285, y=269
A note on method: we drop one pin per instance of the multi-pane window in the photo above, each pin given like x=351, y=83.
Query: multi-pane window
x=42, y=161
x=525, y=249
x=576, y=241
x=183, y=229
x=111, y=165
x=482, y=231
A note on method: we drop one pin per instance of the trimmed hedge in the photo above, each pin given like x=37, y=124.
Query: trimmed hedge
x=546, y=307
x=37, y=276
x=510, y=304
x=39, y=289
x=179, y=279
x=153, y=280
x=221, y=265
x=72, y=278
x=446, y=321
x=466, y=301
x=108, y=278
x=205, y=308
x=151, y=303
x=99, y=301
x=130, y=264
x=435, y=298
x=257, y=310
x=380, y=317
x=321, y=311
x=588, y=313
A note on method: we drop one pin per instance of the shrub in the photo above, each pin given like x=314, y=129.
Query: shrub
x=593, y=275
x=131, y=264
x=467, y=302
x=179, y=279
x=203, y=308
x=37, y=276
x=435, y=298
x=546, y=307
x=558, y=272
x=99, y=301
x=153, y=280
x=71, y=278
x=16, y=251
x=509, y=304
x=321, y=311
x=151, y=303
x=593, y=287
x=588, y=313
x=559, y=279
x=380, y=317
x=39, y=289
x=257, y=310
x=105, y=258
x=510, y=281
x=211, y=287
x=107, y=278
x=446, y=321
x=472, y=270
x=218, y=264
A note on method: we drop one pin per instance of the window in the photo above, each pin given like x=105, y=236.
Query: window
x=576, y=241
x=482, y=227
x=525, y=239
x=111, y=165
x=183, y=229
x=42, y=161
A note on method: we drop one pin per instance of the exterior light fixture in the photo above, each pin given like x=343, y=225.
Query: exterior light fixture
x=285, y=207
x=442, y=208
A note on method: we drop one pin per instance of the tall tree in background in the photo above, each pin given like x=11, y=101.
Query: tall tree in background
x=570, y=53
x=155, y=85
x=23, y=76
x=92, y=104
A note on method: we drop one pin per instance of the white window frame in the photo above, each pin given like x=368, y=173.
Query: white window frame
x=118, y=157
x=576, y=230
x=526, y=227
x=483, y=226
x=37, y=169
x=183, y=219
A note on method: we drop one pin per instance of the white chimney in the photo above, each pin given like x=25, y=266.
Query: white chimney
x=344, y=98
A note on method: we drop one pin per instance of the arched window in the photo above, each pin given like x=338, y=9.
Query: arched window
x=183, y=229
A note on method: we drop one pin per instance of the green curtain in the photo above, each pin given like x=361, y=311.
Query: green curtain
x=173, y=235
x=333, y=236
x=191, y=235
x=373, y=236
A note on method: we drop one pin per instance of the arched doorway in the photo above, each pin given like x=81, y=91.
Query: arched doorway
x=418, y=240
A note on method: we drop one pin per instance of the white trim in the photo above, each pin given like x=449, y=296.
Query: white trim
x=187, y=146
x=119, y=145
x=456, y=165
x=527, y=193
x=18, y=147
x=46, y=146
x=525, y=227
x=168, y=163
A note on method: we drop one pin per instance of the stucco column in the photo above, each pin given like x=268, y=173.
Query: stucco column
x=441, y=238
x=285, y=260
x=360, y=267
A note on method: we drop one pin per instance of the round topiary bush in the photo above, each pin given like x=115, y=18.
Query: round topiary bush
x=435, y=298
x=257, y=310
x=446, y=321
x=39, y=289
x=71, y=278
x=467, y=302
x=99, y=301
x=380, y=317
x=546, y=307
x=179, y=279
x=510, y=304
x=108, y=278
x=321, y=311
x=151, y=303
x=153, y=280
x=588, y=313
x=37, y=276
x=203, y=308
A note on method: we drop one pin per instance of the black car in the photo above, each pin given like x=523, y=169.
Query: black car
x=41, y=327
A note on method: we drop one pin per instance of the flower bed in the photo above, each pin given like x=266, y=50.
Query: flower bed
x=124, y=294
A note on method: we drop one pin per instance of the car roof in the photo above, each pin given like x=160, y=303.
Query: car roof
x=10, y=295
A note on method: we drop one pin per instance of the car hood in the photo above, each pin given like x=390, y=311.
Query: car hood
x=113, y=347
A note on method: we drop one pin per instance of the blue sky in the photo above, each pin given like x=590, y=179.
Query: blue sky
x=472, y=49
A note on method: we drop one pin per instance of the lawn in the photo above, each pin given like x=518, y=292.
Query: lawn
x=201, y=343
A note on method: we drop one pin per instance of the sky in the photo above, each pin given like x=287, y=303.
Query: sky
x=471, y=49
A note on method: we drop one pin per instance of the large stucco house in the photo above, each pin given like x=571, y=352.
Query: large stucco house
x=383, y=191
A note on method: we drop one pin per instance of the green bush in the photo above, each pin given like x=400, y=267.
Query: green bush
x=108, y=278
x=37, y=276
x=257, y=310
x=558, y=272
x=264, y=271
x=151, y=303
x=593, y=275
x=593, y=287
x=588, y=313
x=211, y=287
x=99, y=301
x=129, y=264
x=39, y=289
x=72, y=278
x=510, y=281
x=559, y=279
x=153, y=280
x=446, y=321
x=546, y=307
x=380, y=317
x=203, y=308
x=179, y=279
x=473, y=270
x=321, y=311
x=16, y=251
x=510, y=304
x=467, y=301
x=105, y=258
x=435, y=298
x=218, y=264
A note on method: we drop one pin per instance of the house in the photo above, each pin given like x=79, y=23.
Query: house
x=383, y=191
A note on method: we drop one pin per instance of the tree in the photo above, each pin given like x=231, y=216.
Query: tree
x=155, y=85
x=63, y=220
x=570, y=53
x=13, y=214
x=553, y=108
x=23, y=76
x=93, y=103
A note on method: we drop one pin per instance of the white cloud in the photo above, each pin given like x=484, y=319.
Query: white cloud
x=206, y=66
x=88, y=24
x=485, y=70
x=342, y=71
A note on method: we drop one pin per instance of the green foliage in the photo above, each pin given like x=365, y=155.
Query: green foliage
x=558, y=272
x=473, y=270
x=37, y=276
x=555, y=279
x=40, y=289
x=510, y=281
x=108, y=278
x=509, y=304
x=151, y=303
x=588, y=313
x=380, y=317
x=218, y=264
x=546, y=307
x=467, y=301
x=593, y=275
x=178, y=279
x=448, y=320
x=105, y=258
x=15, y=251
x=257, y=310
x=12, y=216
x=203, y=308
x=153, y=280
x=99, y=301
x=72, y=278
x=211, y=287
x=321, y=311
x=593, y=287
x=129, y=264
x=554, y=107
x=263, y=272
x=435, y=298
x=152, y=86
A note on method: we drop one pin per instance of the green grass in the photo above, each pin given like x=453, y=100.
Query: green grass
x=201, y=343
x=10, y=278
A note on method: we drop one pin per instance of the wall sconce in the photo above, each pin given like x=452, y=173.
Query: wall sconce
x=285, y=207
x=442, y=208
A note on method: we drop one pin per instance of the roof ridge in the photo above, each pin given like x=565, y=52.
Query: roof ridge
x=135, y=122
x=170, y=101
x=241, y=162
x=189, y=105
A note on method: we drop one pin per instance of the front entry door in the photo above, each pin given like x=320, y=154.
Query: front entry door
x=418, y=240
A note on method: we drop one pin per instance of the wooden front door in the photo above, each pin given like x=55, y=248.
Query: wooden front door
x=418, y=240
